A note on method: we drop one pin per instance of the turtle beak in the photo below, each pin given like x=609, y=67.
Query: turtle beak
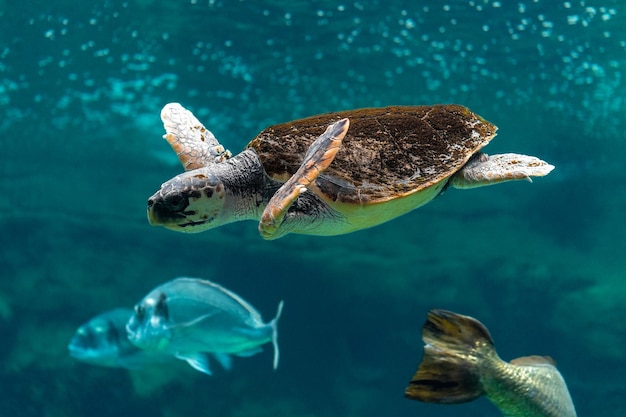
x=162, y=214
x=154, y=210
x=152, y=216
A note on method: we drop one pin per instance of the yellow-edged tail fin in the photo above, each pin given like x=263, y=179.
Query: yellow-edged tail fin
x=454, y=345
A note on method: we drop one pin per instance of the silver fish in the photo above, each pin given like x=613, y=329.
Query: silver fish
x=102, y=341
x=460, y=364
x=193, y=319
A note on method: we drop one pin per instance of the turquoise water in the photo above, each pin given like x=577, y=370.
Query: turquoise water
x=541, y=265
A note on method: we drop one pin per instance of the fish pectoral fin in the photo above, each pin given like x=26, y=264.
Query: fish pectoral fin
x=250, y=352
x=224, y=359
x=191, y=322
x=198, y=361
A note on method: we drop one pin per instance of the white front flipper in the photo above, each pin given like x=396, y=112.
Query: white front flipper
x=193, y=143
x=484, y=170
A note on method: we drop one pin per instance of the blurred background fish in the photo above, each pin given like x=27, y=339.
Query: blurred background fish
x=460, y=364
x=193, y=319
x=103, y=341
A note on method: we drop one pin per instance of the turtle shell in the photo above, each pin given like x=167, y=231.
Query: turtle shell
x=388, y=152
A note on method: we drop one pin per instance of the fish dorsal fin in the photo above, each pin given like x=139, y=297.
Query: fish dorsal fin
x=191, y=322
x=254, y=315
x=533, y=360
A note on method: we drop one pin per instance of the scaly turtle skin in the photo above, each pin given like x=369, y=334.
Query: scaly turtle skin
x=329, y=174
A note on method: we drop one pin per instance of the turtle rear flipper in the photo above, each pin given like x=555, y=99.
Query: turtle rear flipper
x=317, y=158
x=193, y=143
x=484, y=170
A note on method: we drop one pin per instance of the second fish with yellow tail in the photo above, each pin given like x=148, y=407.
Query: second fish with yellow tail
x=460, y=364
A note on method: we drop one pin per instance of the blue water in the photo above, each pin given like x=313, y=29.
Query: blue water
x=541, y=265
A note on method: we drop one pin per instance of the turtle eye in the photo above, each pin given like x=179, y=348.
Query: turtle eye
x=175, y=202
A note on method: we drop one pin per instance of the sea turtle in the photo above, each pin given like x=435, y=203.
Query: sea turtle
x=329, y=174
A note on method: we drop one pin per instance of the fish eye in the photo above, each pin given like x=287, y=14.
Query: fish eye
x=90, y=338
x=140, y=312
x=161, y=309
x=112, y=334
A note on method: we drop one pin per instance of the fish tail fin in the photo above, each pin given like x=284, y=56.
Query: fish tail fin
x=274, y=325
x=455, y=346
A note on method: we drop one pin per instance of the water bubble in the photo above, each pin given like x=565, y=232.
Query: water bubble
x=573, y=19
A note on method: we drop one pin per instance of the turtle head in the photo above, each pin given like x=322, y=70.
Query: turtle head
x=190, y=202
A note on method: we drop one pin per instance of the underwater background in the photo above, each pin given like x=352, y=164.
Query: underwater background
x=541, y=265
